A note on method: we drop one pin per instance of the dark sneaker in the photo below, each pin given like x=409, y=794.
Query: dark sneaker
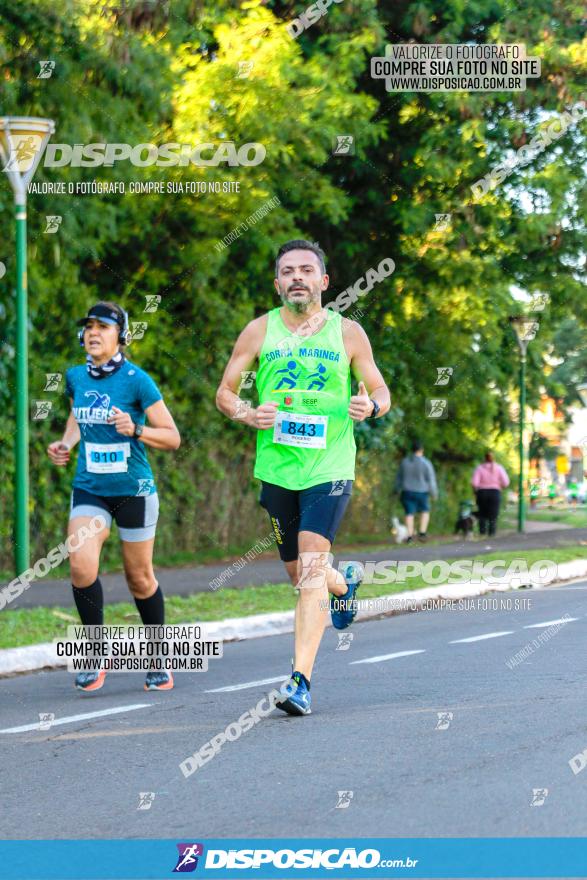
x=159, y=681
x=297, y=699
x=410, y=539
x=90, y=681
x=422, y=537
x=343, y=609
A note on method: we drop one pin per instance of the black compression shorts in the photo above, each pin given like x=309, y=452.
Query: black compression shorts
x=135, y=515
x=318, y=509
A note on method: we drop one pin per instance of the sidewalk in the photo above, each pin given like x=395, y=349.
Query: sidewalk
x=269, y=570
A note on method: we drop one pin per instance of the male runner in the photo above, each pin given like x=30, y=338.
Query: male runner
x=305, y=441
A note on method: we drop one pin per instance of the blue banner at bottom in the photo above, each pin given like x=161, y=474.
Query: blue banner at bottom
x=225, y=859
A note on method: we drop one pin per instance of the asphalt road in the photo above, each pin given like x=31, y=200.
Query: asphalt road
x=269, y=570
x=373, y=732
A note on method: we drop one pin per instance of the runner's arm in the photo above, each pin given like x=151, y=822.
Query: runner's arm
x=59, y=450
x=244, y=355
x=160, y=433
x=365, y=369
x=71, y=434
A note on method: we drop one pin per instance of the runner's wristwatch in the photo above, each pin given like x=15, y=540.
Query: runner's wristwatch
x=138, y=430
x=376, y=409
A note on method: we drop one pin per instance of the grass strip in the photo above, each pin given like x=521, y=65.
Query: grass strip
x=29, y=626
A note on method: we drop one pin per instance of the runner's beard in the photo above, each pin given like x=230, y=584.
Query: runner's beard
x=300, y=308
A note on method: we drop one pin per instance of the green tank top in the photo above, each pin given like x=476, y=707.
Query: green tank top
x=313, y=440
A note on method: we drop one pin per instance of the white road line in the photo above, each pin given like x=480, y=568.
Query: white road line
x=84, y=717
x=383, y=657
x=247, y=684
x=480, y=638
x=558, y=589
x=550, y=622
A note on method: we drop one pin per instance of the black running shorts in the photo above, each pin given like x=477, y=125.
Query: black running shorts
x=318, y=509
x=135, y=515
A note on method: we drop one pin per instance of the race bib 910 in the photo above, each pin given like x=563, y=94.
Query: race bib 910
x=107, y=458
x=297, y=429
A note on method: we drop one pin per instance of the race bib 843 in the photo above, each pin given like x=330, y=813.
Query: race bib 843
x=300, y=429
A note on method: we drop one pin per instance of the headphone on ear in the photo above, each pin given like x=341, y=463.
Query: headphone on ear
x=124, y=335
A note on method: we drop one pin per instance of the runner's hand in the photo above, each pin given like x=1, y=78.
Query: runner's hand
x=121, y=421
x=58, y=453
x=265, y=415
x=360, y=406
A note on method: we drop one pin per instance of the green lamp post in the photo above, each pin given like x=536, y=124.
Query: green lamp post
x=582, y=391
x=525, y=329
x=22, y=144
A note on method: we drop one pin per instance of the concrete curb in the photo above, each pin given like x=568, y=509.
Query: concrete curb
x=42, y=656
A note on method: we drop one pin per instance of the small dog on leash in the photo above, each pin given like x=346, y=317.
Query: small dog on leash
x=465, y=523
x=399, y=531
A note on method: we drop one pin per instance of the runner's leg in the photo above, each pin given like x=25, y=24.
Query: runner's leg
x=283, y=508
x=322, y=508
x=297, y=517
x=335, y=581
x=312, y=608
x=137, y=558
x=136, y=517
x=84, y=562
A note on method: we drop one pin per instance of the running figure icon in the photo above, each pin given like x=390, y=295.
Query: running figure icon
x=290, y=378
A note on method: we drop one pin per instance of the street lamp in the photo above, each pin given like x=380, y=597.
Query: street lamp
x=582, y=391
x=22, y=143
x=525, y=329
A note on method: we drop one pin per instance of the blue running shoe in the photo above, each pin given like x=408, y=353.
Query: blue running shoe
x=159, y=681
x=297, y=699
x=343, y=609
x=90, y=681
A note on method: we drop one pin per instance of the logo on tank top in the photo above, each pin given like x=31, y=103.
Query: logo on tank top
x=325, y=354
x=97, y=412
x=291, y=377
x=100, y=401
x=319, y=378
x=306, y=401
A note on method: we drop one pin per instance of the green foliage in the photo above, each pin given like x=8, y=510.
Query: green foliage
x=142, y=72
